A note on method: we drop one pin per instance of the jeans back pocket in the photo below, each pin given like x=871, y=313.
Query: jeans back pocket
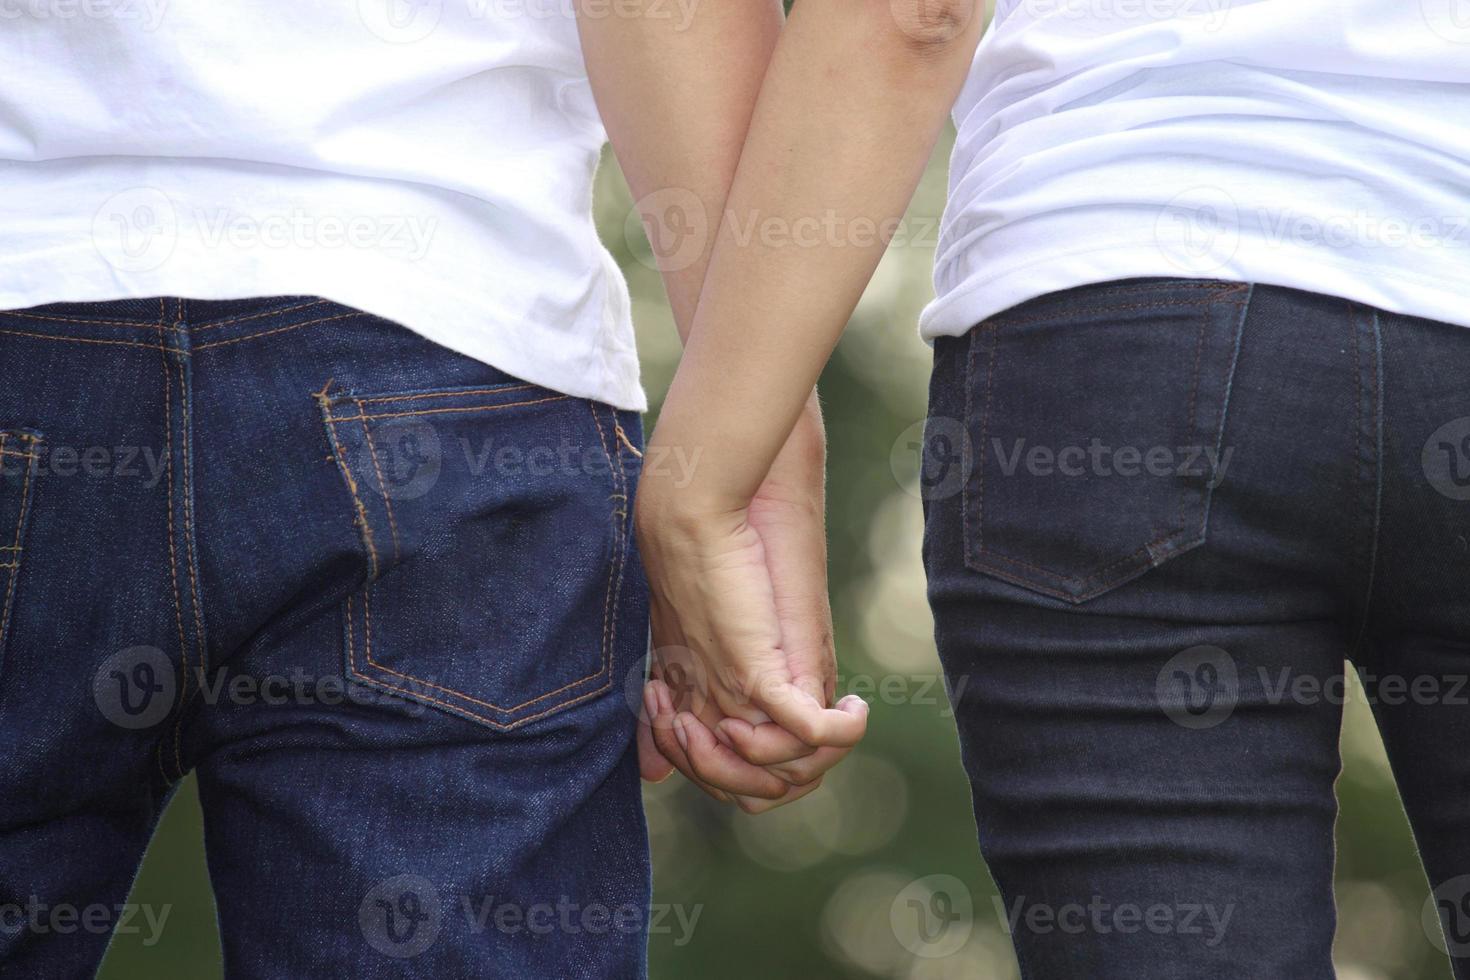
x=19, y=458
x=1095, y=418
x=495, y=528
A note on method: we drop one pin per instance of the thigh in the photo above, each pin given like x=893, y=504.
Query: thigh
x=94, y=626
x=1415, y=651
x=1146, y=654
x=416, y=756
x=415, y=846
x=1147, y=805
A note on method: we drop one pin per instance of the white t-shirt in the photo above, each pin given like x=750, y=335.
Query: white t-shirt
x=428, y=161
x=1314, y=144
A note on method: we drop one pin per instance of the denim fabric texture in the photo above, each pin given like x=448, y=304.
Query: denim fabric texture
x=1162, y=517
x=382, y=599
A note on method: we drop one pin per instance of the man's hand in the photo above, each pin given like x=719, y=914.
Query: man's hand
x=744, y=667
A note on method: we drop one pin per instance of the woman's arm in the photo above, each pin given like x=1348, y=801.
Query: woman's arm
x=851, y=108
x=677, y=98
x=853, y=104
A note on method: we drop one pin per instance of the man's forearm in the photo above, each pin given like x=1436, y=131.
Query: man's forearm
x=852, y=106
x=676, y=94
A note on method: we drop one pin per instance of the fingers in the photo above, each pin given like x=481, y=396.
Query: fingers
x=762, y=745
x=755, y=807
x=771, y=746
x=720, y=767
x=653, y=766
x=666, y=740
x=804, y=717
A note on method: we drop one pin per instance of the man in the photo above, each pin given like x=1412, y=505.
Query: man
x=321, y=440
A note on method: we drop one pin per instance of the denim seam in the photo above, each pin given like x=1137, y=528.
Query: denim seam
x=15, y=548
x=190, y=555
x=1240, y=321
x=276, y=330
x=627, y=443
x=149, y=326
x=451, y=411
x=372, y=448
x=256, y=316
x=445, y=705
x=609, y=601
x=364, y=527
x=1373, y=401
x=92, y=340
x=495, y=390
x=173, y=562
x=1144, y=290
x=1002, y=320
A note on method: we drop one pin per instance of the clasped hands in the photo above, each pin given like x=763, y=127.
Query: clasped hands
x=744, y=670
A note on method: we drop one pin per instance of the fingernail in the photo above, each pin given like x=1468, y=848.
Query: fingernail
x=723, y=735
x=650, y=703
x=665, y=701
x=851, y=703
x=680, y=734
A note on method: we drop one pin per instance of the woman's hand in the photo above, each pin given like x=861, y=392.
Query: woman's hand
x=744, y=667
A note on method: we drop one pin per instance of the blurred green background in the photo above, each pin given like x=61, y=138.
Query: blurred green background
x=808, y=891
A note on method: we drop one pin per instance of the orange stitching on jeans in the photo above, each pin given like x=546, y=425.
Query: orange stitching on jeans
x=12, y=452
x=620, y=546
x=138, y=324
x=444, y=394
x=623, y=437
x=89, y=340
x=187, y=453
x=351, y=638
x=382, y=485
x=25, y=502
x=449, y=411
x=267, y=333
x=256, y=316
x=614, y=586
x=362, y=518
x=173, y=562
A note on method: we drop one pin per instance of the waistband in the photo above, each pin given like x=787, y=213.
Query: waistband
x=170, y=322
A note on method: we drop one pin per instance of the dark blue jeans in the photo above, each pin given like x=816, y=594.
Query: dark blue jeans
x=381, y=597
x=1161, y=515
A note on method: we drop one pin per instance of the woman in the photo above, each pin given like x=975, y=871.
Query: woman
x=1199, y=434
